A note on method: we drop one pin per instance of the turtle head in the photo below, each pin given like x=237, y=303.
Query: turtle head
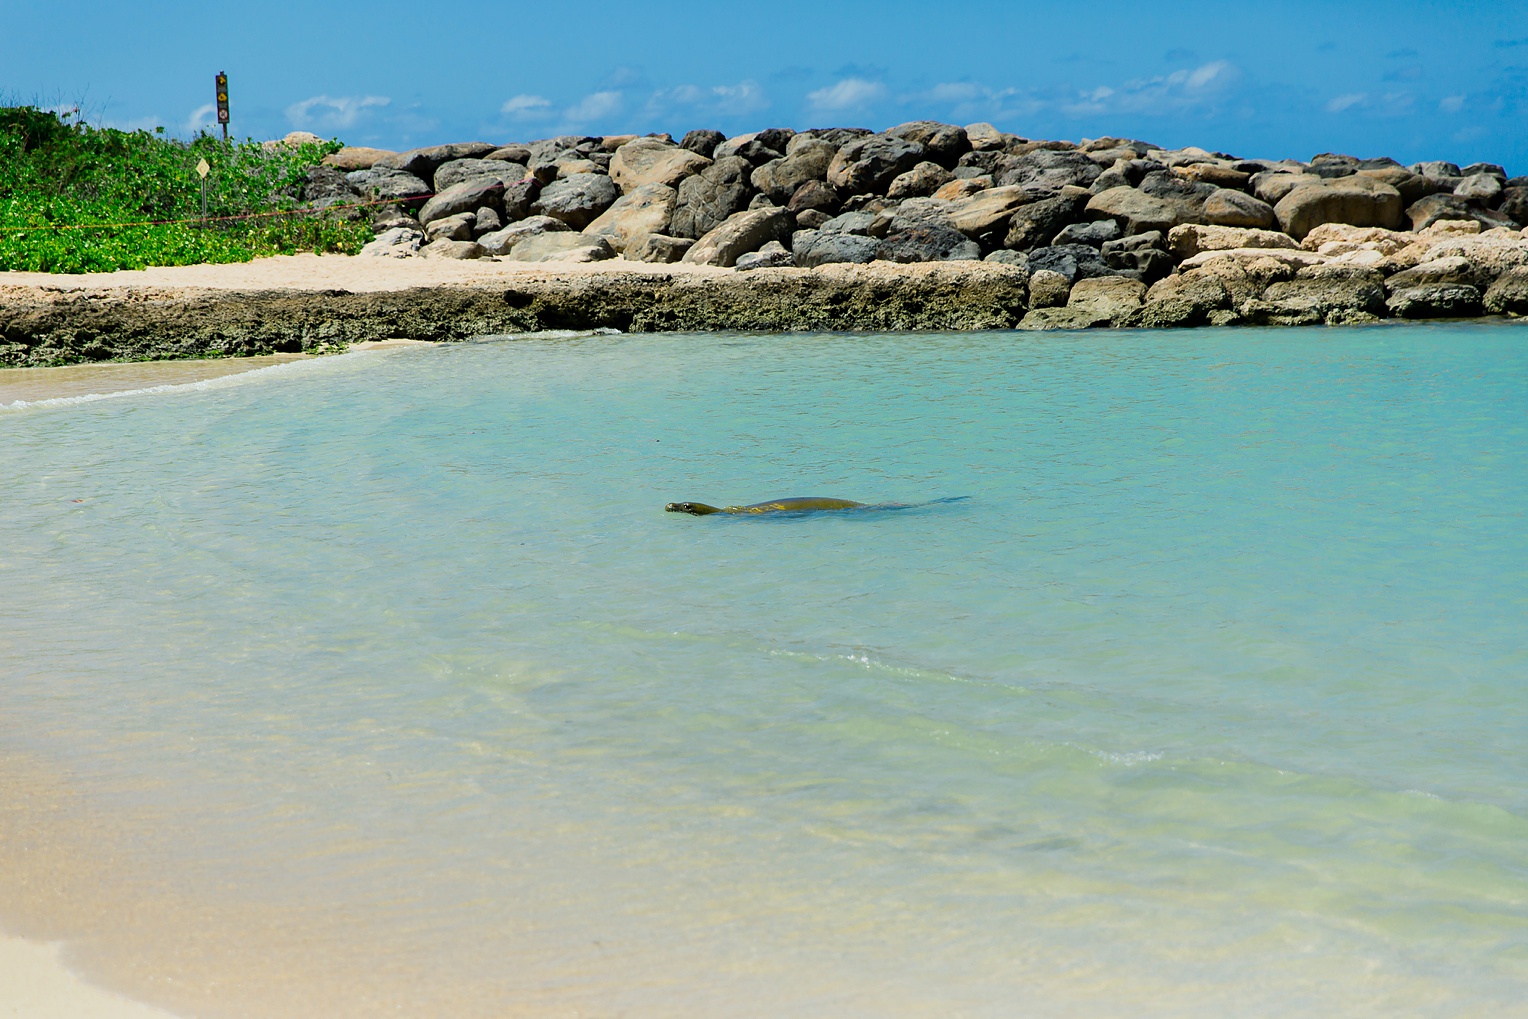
x=696, y=509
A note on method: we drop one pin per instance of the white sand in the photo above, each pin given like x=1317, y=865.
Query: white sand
x=35, y=984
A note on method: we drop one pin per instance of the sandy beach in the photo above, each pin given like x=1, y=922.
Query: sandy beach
x=35, y=984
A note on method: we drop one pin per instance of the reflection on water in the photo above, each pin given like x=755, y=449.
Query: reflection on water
x=391, y=683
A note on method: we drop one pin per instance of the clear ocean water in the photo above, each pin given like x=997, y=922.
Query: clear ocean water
x=1211, y=699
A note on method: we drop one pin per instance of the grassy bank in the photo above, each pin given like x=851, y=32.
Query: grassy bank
x=67, y=189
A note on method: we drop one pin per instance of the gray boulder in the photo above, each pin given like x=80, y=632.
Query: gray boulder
x=458, y=170
x=1436, y=300
x=708, y=198
x=814, y=194
x=1489, y=169
x=1272, y=185
x=987, y=211
x=1412, y=186
x=1509, y=294
x=1003, y=256
x=576, y=200
x=1184, y=300
x=486, y=222
x=821, y=247
x=395, y=185
x=512, y=154
x=1330, y=294
x=1135, y=211
x=423, y=163
x=741, y=233
x=702, y=142
x=1436, y=169
x=928, y=244
x=468, y=196
x=1048, y=288
x=1047, y=168
x=1235, y=208
x=943, y=144
x=1434, y=208
x=1036, y=224
x=781, y=178
x=1074, y=261
x=869, y=165
x=499, y=242
x=919, y=182
x=1095, y=234
x=1514, y=205
x=326, y=186
x=773, y=255
x=1481, y=187
x=811, y=219
x=397, y=242
x=561, y=247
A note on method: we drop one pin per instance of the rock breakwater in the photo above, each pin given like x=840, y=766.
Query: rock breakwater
x=1106, y=232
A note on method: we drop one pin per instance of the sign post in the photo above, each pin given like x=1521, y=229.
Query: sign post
x=222, y=83
x=201, y=171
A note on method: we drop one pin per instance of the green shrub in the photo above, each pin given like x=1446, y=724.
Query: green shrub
x=58, y=176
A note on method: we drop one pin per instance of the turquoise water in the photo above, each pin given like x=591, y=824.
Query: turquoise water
x=1209, y=700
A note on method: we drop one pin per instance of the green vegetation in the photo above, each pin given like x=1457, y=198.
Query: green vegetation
x=57, y=175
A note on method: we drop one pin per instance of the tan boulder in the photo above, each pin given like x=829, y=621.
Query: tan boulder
x=1356, y=201
x=644, y=210
x=561, y=247
x=986, y=209
x=1107, y=300
x=1190, y=239
x=355, y=157
x=653, y=161
x=1385, y=241
x=965, y=187
x=739, y=234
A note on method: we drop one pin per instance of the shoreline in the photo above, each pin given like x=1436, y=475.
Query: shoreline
x=36, y=983
x=304, y=304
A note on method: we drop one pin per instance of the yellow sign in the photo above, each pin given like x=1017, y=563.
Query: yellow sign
x=202, y=168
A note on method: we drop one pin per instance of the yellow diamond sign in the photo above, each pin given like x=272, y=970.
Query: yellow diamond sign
x=202, y=168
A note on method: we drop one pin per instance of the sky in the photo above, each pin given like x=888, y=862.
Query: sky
x=1427, y=79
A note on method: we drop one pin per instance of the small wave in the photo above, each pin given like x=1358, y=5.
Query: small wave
x=200, y=385
x=547, y=334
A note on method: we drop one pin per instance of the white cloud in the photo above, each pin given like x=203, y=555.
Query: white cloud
x=851, y=93
x=1187, y=88
x=1347, y=102
x=1451, y=104
x=717, y=101
x=202, y=116
x=527, y=107
x=332, y=112
x=594, y=106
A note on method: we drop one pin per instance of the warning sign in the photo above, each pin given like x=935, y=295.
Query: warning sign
x=222, y=98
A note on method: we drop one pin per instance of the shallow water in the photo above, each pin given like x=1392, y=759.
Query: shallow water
x=1208, y=700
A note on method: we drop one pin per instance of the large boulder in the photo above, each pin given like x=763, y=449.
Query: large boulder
x=1330, y=294
x=942, y=143
x=781, y=178
x=1484, y=188
x=1036, y=224
x=644, y=210
x=1509, y=294
x=1436, y=300
x=1412, y=186
x=1074, y=261
x=741, y=233
x=651, y=161
x=1443, y=270
x=1190, y=239
x=919, y=182
x=458, y=170
x=1427, y=211
x=447, y=248
x=561, y=247
x=1135, y=211
x=1272, y=185
x=1354, y=200
x=821, y=247
x=1107, y=300
x=1235, y=208
x=354, y=157
x=758, y=147
x=869, y=165
x=1184, y=299
x=499, y=242
x=397, y=242
x=708, y=198
x=576, y=200
x=423, y=163
x=1514, y=204
x=702, y=141
x=979, y=214
x=394, y=185
x=660, y=248
x=1047, y=169
x=814, y=194
x=468, y=196
x=928, y=244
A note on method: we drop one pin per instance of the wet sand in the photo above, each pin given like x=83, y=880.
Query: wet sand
x=30, y=385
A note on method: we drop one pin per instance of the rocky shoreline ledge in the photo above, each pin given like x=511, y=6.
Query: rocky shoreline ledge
x=923, y=226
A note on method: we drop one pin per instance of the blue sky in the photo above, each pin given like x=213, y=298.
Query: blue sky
x=1416, y=80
